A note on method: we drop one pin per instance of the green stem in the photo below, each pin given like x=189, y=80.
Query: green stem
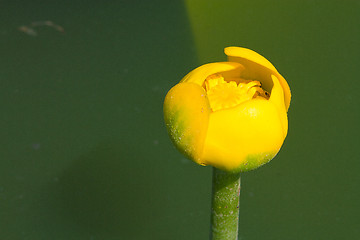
x=225, y=205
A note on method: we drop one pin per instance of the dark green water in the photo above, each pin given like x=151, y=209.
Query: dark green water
x=84, y=153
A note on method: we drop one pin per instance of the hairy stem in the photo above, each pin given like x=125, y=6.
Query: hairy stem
x=225, y=205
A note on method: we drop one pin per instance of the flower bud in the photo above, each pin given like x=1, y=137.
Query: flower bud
x=230, y=115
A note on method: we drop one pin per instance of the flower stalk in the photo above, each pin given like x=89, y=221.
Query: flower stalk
x=225, y=205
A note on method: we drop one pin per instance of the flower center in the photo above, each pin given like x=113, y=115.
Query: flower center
x=227, y=94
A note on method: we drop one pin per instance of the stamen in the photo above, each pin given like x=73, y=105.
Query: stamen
x=223, y=94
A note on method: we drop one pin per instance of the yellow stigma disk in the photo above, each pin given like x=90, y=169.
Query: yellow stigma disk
x=227, y=94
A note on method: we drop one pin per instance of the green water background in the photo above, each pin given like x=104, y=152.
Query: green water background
x=84, y=153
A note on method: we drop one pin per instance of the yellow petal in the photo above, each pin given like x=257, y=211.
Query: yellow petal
x=226, y=69
x=186, y=114
x=244, y=137
x=277, y=98
x=234, y=52
x=258, y=68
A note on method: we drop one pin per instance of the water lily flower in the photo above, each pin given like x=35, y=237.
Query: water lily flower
x=230, y=115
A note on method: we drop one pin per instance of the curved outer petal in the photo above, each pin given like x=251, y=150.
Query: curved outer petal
x=244, y=137
x=277, y=98
x=259, y=68
x=186, y=114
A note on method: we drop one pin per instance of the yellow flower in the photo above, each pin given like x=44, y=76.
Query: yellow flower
x=230, y=115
